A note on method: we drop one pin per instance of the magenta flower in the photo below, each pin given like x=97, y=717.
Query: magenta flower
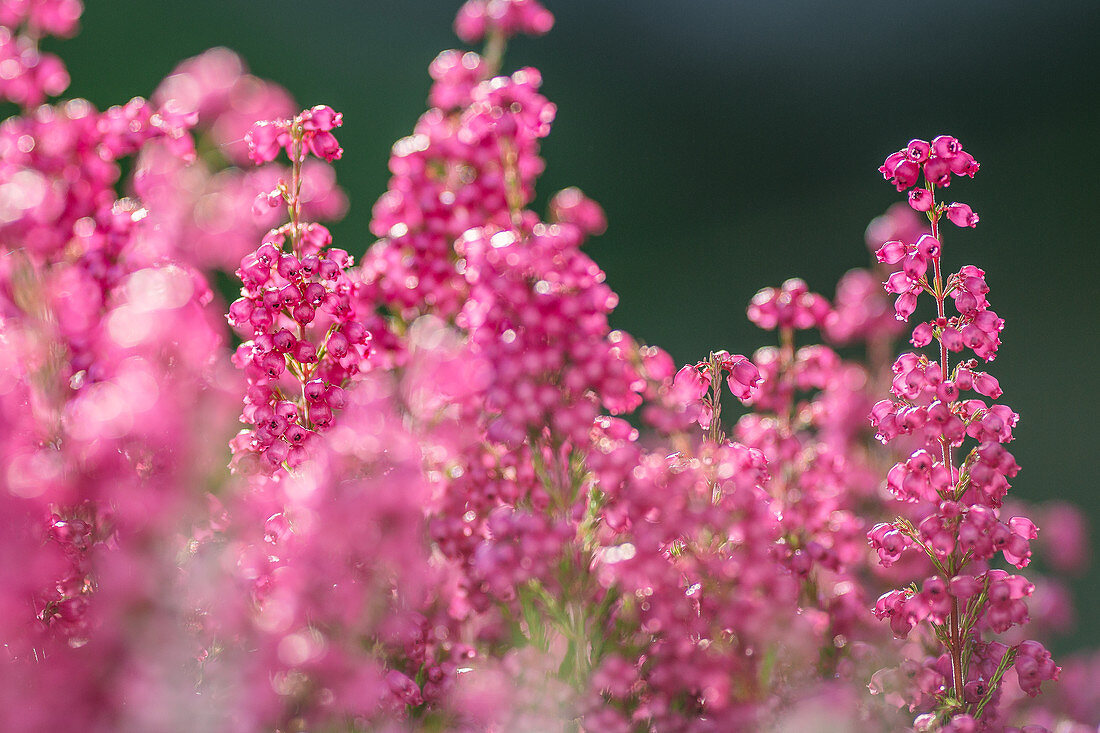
x=480, y=18
x=961, y=529
x=920, y=199
x=297, y=308
x=961, y=215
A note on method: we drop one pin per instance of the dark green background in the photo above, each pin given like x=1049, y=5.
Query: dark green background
x=734, y=144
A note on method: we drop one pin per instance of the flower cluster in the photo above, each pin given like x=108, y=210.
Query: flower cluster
x=27, y=75
x=538, y=312
x=470, y=162
x=296, y=306
x=958, y=524
x=92, y=310
x=699, y=387
x=462, y=500
x=975, y=327
x=938, y=161
x=310, y=130
x=693, y=585
x=332, y=599
x=478, y=19
x=809, y=420
x=111, y=380
x=60, y=166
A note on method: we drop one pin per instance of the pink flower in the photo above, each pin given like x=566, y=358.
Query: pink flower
x=920, y=199
x=477, y=18
x=265, y=139
x=321, y=118
x=892, y=252
x=946, y=146
x=922, y=335
x=905, y=174
x=961, y=215
x=323, y=144
x=743, y=377
x=918, y=150
x=403, y=688
x=961, y=524
x=792, y=305
x=455, y=75
x=937, y=172
x=964, y=164
x=572, y=206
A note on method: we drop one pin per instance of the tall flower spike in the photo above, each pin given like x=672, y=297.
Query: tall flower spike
x=957, y=523
x=306, y=343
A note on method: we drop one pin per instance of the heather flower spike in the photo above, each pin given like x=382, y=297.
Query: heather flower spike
x=956, y=496
x=296, y=307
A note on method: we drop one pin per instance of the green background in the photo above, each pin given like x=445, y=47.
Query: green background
x=734, y=144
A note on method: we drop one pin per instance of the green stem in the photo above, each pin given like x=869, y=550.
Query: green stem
x=956, y=640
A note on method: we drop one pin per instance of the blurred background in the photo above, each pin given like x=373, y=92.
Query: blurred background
x=734, y=144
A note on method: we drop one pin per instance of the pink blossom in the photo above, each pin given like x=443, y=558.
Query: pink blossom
x=961, y=215
x=321, y=118
x=323, y=144
x=920, y=199
x=477, y=18
x=570, y=205
x=265, y=139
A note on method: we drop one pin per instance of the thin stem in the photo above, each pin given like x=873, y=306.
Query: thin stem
x=579, y=633
x=513, y=187
x=494, y=51
x=295, y=202
x=715, y=436
x=786, y=361
x=955, y=635
x=715, y=371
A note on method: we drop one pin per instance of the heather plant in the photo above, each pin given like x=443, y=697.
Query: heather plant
x=959, y=527
x=112, y=376
x=809, y=418
x=556, y=527
x=306, y=343
x=461, y=499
